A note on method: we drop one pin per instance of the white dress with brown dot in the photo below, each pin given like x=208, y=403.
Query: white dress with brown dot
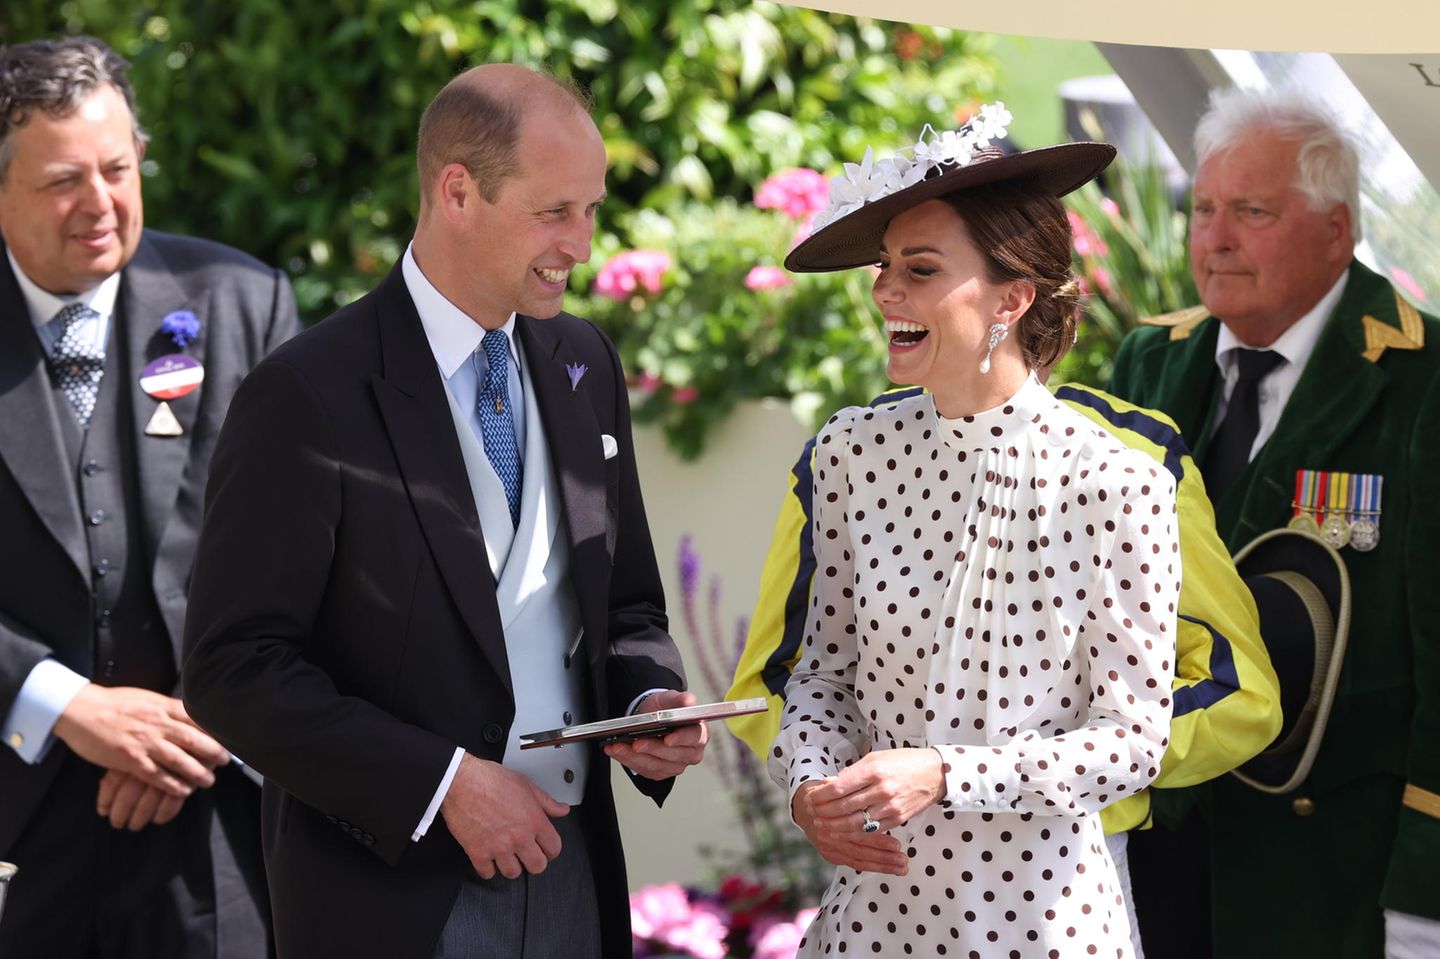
x=1000, y=587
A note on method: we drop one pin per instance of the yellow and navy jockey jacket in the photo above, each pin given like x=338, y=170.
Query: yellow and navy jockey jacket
x=1227, y=699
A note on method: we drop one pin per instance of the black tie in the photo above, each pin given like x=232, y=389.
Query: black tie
x=1230, y=447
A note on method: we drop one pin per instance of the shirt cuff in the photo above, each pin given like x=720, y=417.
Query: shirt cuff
x=1410, y=937
x=434, y=808
x=635, y=703
x=30, y=726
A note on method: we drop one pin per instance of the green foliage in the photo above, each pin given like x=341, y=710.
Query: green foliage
x=706, y=342
x=1130, y=250
x=288, y=130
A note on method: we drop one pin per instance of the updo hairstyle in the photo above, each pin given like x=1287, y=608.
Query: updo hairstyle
x=1024, y=234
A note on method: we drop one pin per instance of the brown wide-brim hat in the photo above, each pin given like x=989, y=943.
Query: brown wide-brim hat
x=1302, y=591
x=854, y=239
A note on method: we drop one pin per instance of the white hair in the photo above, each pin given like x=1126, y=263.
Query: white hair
x=1328, y=164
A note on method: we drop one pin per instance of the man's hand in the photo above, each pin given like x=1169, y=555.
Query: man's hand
x=144, y=734
x=501, y=819
x=130, y=803
x=842, y=841
x=663, y=757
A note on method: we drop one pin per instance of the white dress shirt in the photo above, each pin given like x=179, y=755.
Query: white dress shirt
x=1295, y=345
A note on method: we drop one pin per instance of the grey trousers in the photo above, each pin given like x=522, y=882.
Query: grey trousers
x=553, y=915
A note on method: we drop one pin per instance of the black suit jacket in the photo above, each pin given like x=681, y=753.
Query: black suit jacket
x=344, y=625
x=245, y=309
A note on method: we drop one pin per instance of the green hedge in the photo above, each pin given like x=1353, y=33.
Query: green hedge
x=287, y=129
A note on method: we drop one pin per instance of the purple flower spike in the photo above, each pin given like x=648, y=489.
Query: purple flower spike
x=182, y=326
x=689, y=567
x=576, y=371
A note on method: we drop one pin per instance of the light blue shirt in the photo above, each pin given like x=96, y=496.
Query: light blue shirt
x=30, y=724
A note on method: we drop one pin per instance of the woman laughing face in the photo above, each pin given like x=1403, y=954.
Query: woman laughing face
x=939, y=303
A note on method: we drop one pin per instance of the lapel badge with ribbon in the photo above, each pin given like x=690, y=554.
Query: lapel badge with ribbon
x=576, y=372
x=173, y=375
x=1343, y=509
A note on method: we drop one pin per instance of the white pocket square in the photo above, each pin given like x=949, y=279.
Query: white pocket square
x=608, y=444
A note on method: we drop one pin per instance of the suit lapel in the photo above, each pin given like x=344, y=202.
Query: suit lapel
x=412, y=403
x=148, y=293
x=578, y=462
x=1335, y=394
x=1197, y=388
x=30, y=442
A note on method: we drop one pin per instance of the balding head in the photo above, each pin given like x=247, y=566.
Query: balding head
x=475, y=121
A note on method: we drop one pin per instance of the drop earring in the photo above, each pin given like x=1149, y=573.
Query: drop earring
x=998, y=332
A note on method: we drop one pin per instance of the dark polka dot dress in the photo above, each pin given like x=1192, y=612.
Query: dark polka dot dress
x=1001, y=587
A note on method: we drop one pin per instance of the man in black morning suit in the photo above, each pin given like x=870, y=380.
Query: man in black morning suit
x=423, y=538
x=101, y=489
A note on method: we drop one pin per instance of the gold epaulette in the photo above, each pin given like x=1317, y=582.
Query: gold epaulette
x=1181, y=322
x=1381, y=336
x=1421, y=800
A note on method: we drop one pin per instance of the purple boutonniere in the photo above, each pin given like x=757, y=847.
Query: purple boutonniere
x=576, y=371
x=182, y=326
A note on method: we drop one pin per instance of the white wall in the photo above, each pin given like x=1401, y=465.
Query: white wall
x=727, y=502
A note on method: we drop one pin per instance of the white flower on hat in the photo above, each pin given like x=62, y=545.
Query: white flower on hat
x=872, y=179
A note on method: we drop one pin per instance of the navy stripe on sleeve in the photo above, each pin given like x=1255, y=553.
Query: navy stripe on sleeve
x=1225, y=681
x=1161, y=434
x=777, y=669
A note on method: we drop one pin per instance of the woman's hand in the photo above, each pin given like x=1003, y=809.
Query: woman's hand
x=843, y=841
x=891, y=784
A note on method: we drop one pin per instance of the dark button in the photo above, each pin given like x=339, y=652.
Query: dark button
x=103, y=618
x=97, y=517
x=109, y=667
x=567, y=660
x=331, y=819
x=568, y=718
x=92, y=467
x=103, y=567
x=368, y=839
x=493, y=733
x=1303, y=806
x=569, y=775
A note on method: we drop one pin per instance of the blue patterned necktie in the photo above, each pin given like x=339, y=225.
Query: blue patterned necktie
x=77, y=365
x=497, y=426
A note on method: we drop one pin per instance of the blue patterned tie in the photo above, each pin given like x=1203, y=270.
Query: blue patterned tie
x=497, y=426
x=76, y=365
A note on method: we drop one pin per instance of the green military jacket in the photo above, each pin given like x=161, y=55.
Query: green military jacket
x=1308, y=874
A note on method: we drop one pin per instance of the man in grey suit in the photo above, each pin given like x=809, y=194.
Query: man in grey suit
x=119, y=350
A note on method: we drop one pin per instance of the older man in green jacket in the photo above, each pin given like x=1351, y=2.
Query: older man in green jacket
x=1310, y=392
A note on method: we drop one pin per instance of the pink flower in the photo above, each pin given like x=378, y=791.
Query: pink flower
x=775, y=938
x=685, y=394
x=625, y=273
x=649, y=382
x=1111, y=208
x=1102, y=280
x=1407, y=283
x=798, y=193
x=1087, y=241
x=664, y=915
x=766, y=278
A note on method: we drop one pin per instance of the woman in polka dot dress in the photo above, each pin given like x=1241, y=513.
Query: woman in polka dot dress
x=988, y=657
